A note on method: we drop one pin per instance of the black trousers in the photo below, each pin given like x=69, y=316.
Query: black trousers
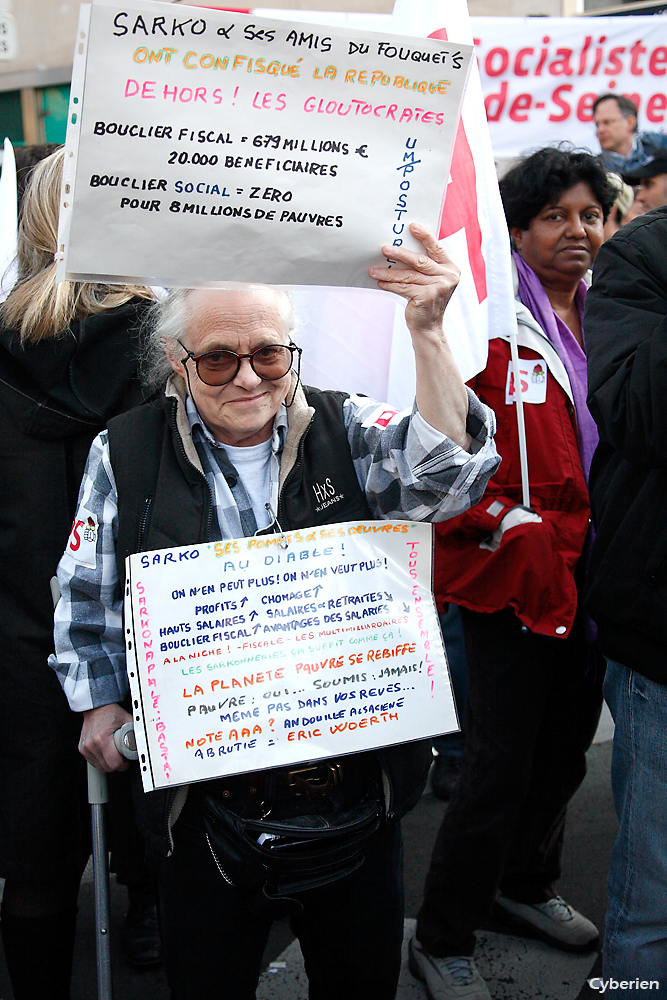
x=214, y=935
x=533, y=707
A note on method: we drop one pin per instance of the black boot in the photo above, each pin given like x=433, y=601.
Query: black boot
x=445, y=776
x=38, y=953
x=142, y=942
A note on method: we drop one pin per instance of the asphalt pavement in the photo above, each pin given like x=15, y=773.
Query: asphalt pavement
x=516, y=968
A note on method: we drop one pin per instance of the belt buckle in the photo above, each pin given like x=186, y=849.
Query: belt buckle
x=316, y=780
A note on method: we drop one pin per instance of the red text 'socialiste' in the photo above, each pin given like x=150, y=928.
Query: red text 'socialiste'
x=594, y=63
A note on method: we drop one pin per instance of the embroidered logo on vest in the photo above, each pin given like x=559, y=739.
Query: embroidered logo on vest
x=325, y=494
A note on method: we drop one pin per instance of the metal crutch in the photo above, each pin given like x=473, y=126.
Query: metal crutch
x=98, y=796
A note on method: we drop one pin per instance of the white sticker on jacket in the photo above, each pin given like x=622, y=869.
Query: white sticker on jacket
x=533, y=382
x=82, y=542
x=382, y=416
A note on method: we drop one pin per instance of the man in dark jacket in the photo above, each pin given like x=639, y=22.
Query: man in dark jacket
x=626, y=337
x=237, y=447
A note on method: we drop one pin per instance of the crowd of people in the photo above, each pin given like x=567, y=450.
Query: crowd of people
x=542, y=610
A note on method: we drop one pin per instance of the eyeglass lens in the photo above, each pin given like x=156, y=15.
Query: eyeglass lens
x=219, y=367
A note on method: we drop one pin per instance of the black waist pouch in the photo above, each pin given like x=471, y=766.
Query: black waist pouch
x=295, y=844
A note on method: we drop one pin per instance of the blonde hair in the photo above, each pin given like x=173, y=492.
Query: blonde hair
x=37, y=306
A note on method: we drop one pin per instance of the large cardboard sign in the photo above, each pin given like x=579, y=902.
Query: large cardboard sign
x=266, y=651
x=212, y=146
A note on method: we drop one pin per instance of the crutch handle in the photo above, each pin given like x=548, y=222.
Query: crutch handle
x=97, y=786
x=126, y=745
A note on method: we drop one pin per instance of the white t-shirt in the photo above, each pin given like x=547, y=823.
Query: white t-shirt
x=253, y=465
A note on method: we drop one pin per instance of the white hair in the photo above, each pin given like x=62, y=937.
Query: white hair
x=168, y=322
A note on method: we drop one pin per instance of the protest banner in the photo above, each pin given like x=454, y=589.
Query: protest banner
x=541, y=76
x=211, y=147
x=272, y=650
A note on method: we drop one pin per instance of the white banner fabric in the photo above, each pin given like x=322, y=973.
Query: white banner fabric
x=8, y=221
x=540, y=76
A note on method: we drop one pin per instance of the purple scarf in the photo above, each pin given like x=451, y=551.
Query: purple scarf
x=534, y=297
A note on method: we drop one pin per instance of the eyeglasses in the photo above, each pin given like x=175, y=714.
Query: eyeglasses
x=607, y=121
x=220, y=367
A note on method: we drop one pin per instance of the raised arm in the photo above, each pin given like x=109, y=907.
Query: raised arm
x=428, y=282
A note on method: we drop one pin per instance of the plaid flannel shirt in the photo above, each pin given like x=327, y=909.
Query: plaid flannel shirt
x=408, y=470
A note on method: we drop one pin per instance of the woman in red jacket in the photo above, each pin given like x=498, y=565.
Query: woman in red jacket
x=515, y=570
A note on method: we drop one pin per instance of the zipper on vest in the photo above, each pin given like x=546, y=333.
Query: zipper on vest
x=291, y=474
x=143, y=518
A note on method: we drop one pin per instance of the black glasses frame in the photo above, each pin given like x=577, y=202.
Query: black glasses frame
x=239, y=358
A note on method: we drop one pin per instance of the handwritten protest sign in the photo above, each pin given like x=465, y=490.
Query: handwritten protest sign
x=244, y=655
x=211, y=147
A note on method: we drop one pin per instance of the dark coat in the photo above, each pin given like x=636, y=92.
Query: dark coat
x=55, y=397
x=625, y=324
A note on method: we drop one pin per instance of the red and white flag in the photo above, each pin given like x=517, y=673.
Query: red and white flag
x=472, y=224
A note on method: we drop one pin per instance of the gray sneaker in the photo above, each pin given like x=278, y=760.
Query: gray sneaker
x=454, y=978
x=555, y=922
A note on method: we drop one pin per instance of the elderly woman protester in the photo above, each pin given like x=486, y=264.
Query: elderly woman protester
x=234, y=446
x=515, y=570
